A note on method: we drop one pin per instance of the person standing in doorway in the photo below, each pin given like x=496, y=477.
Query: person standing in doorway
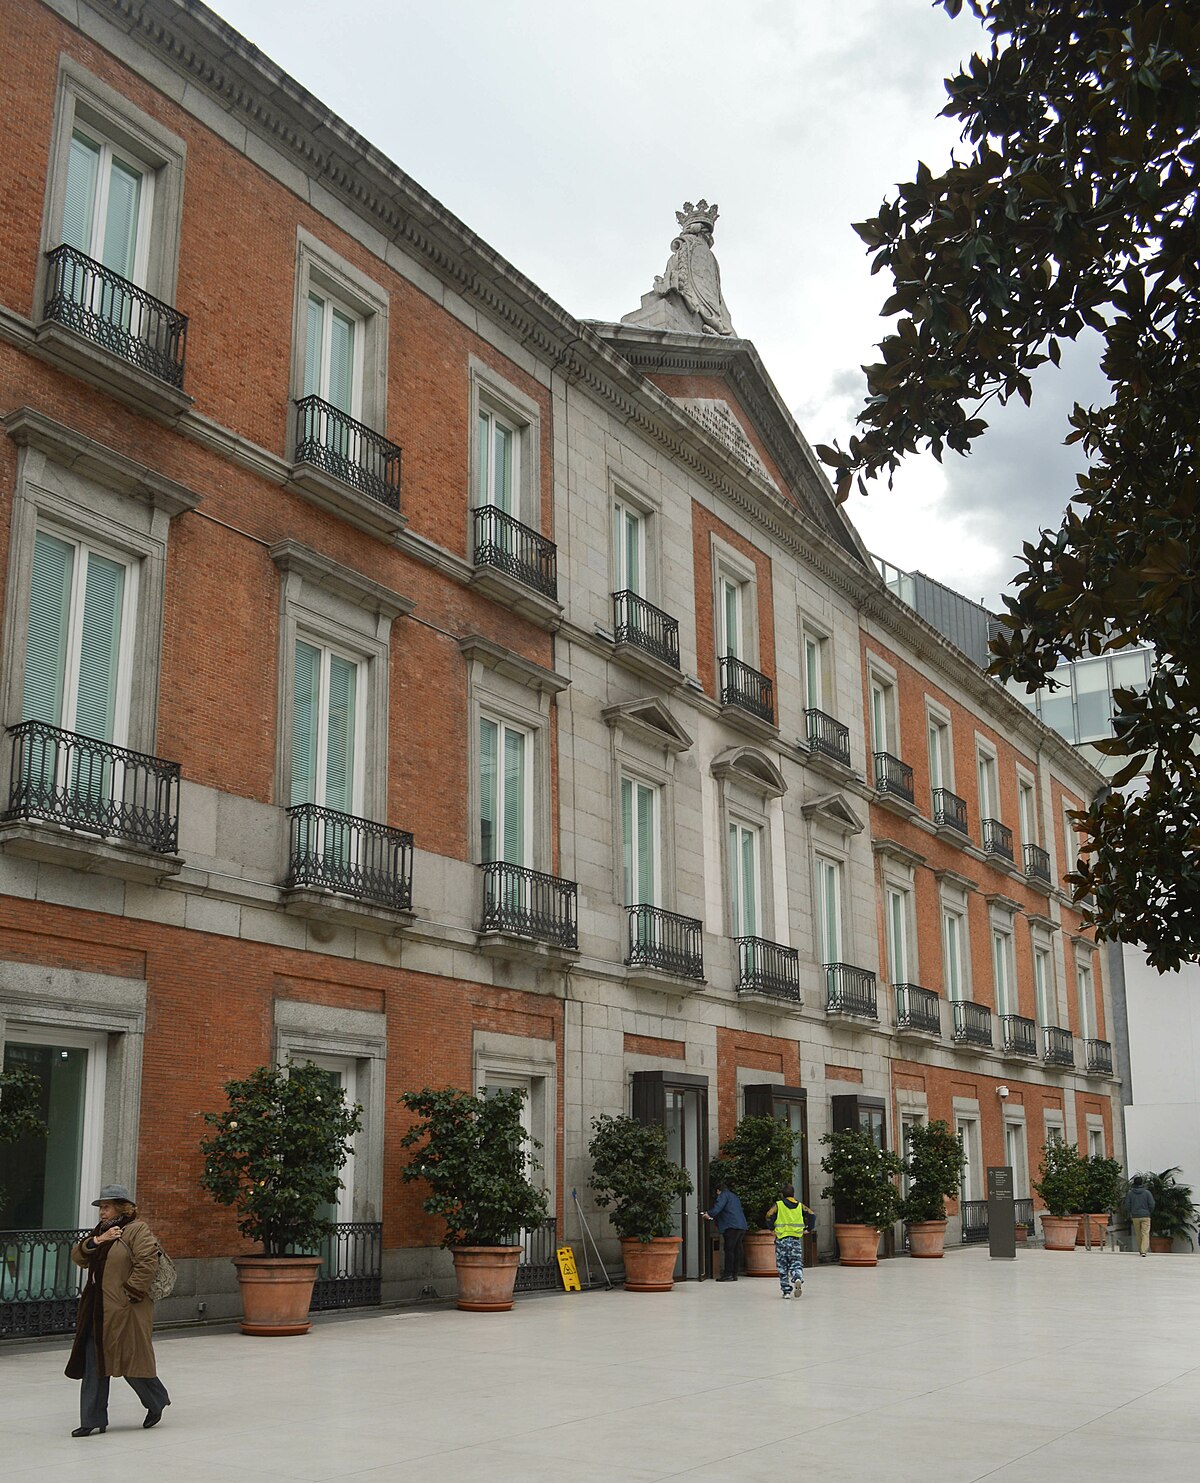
x=116, y=1316
x=730, y=1220
x=1139, y=1206
x=787, y=1216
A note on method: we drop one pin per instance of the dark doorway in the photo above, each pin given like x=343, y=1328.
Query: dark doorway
x=679, y=1105
x=790, y=1106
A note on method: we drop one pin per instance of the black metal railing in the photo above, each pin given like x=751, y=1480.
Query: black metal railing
x=640, y=623
x=116, y=314
x=1058, y=1046
x=1019, y=1035
x=515, y=549
x=766, y=967
x=529, y=903
x=972, y=1023
x=666, y=941
x=949, y=809
x=974, y=1217
x=93, y=786
x=1099, y=1056
x=335, y=443
x=850, y=990
x=538, y=1268
x=332, y=851
x=39, y=1283
x=1037, y=862
x=997, y=838
x=918, y=1008
x=1023, y=1214
x=745, y=688
x=893, y=776
x=827, y=736
x=351, y=1272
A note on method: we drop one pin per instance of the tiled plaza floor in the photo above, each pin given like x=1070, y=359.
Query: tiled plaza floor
x=1053, y=1367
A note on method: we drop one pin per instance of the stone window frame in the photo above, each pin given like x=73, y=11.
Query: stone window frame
x=1054, y=1118
x=333, y=605
x=531, y=1058
x=986, y=751
x=1027, y=780
x=728, y=562
x=899, y=872
x=640, y=751
x=936, y=714
x=1041, y=938
x=1094, y=1123
x=1085, y=958
x=82, y=99
x=303, y=1029
x=811, y=627
x=1002, y=919
x=1014, y=1116
x=968, y=1109
x=751, y=795
x=954, y=895
x=624, y=490
x=829, y=833
x=489, y=390
x=880, y=672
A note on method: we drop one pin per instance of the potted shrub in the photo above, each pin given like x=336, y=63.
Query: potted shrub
x=1061, y=1190
x=632, y=1175
x=934, y=1166
x=756, y=1162
x=476, y=1158
x=1101, y=1194
x=274, y=1155
x=1175, y=1215
x=865, y=1198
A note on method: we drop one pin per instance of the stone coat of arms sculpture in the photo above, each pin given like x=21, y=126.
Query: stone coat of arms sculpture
x=687, y=296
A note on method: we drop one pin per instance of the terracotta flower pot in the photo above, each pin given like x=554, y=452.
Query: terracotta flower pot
x=759, y=1248
x=1161, y=1244
x=858, y=1246
x=1060, y=1231
x=276, y=1292
x=927, y=1238
x=1021, y=1233
x=650, y=1265
x=1099, y=1229
x=486, y=1276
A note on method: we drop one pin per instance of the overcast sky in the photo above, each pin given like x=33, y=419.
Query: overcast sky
x=566, y=133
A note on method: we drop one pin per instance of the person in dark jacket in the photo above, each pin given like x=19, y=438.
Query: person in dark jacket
x=1139, y=1206
x=730, y=1220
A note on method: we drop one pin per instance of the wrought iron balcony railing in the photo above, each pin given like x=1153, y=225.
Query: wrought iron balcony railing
x=640, y=623
x=537, y=1269
x=1037, y=862
x=116, y=314
x=332, y=851
x=893, y=776
x=827, y=736
x=972, y=1023
x=529, y=903
x=850, y=990
x=745, y=688
x=516, y=550
x=39, y=1283
x=918, y=1009
x=949, y=809
x=336, y=444
x=1019, y=1035
x=997, y=838
x=93, y=786
x=351, y=1273
x=973, y=1216
x=766, y=967
x=1099, y=1056
x=666, y=941
x=1058, y=1046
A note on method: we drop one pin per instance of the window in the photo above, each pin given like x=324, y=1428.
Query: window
x=629, y=549
x=908, y=1120
x=939, y=753
x=968, y=1132
x=504, y=449
x=1054, y=1131
x=328, y=705
x=342, y=1073
x=1043, y=984
x=989, y=793
x=1014, y=1156
x=1027, y=811
x=505, y=795
x=896, y=924
x=883, y=716
x=1070, y=841
x=745, y=875
x=642, y=869
x=497, y=464
x=1002, y=972
x=829, y=910
x=1095, y=1140
x=1087, y=1001
x=107, y=205
x=333, y=354
x=732, y=596
x=816, y=662
x=954, y=931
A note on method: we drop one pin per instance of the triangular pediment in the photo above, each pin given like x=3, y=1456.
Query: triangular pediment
x=753, y=769
x=832, y=810
x=650, y=720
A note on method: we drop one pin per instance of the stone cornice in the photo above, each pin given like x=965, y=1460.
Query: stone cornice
x=475, y=648
x=323, y=571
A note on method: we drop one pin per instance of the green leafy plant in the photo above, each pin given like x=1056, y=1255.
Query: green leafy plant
x=934, y=1165
x=756, y=1162
x=632, y=1174
x=1175, y=1214
x=1064, y=1179
x=861, y=1179
x=476, y=1158
x=1103, y=1184
x=20, y=1100
x=276, y=1151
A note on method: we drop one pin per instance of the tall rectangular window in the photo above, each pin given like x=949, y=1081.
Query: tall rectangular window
x=882, y=722
x=829, y=910
x=1042, y=984
x=968, y=1133
x=629, y=549
x=1070, y=841
x=326, y=729
x=1087, y=1002
x=498, y=461
x=1002, y=972
x=1027, y=808
x=106, y=207
x=939, y=754
x=505, y=795
x=333, y=353
x=953, y=953
x=639, y=842
x=744, y=880
x=896, y=923
x=989, y=793
x=815, y=656
x=732, y=598
x=1014, y=1156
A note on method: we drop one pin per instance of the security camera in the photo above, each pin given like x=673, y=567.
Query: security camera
x=1002, y=1092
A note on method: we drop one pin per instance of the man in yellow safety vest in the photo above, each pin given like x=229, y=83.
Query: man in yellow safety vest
x=787, y=1216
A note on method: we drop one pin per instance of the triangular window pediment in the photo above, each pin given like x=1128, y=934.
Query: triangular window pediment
x=650, y=720
x=832, y=810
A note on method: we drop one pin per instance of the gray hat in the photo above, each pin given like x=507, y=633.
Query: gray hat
x=114, y=1192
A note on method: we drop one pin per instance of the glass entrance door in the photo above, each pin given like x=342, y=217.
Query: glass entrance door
x=686, y=1123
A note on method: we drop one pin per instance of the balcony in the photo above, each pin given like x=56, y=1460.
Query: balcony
x=347, y=467
x=339, y=854
x=87, y=787
x=646, y=631
x=1098, y=1057
x=972, y=1024
x=768, y=968
x=664, y=946
x=514, y=563
x=850, y=990
x=1037, y=864
x=893, y=777
x=997, y=838
x=746, y=690
x=827, y=737
x=918, y=1010
x=39, y=1283
x=1018, y=1035
x=527, y=904
x=1058, y=1046
x=950, y=811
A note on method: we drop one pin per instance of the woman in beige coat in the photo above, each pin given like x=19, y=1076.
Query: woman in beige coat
x=112, y=1332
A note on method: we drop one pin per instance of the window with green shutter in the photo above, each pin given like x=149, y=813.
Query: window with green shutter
x=326, y=733
x=505, y=798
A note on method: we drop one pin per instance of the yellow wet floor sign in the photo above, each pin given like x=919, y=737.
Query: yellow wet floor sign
x=566, y=1265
